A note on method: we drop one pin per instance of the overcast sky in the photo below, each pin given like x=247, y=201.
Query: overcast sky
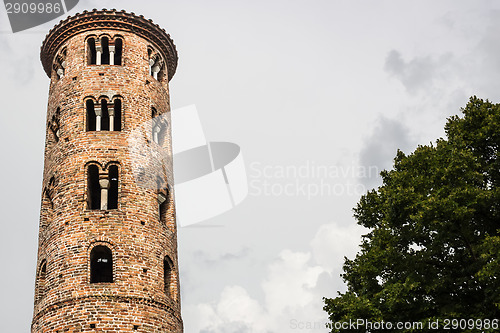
x=318, y=94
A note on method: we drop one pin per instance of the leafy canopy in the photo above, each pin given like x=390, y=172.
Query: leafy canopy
x=434, y=244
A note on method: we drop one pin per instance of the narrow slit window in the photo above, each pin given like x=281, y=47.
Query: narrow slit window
x=167, y=275
x=93, y=187
x=113, y=187
x=91, y=115
x=101, y=264
x=91, y=57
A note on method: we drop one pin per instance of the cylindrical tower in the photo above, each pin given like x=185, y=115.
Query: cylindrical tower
x=107, y=258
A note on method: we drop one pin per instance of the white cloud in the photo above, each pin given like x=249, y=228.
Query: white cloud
x=333, y=242
x=293, y=290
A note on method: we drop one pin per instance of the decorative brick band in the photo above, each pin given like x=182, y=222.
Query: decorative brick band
x=113, y=298
x=111, y=19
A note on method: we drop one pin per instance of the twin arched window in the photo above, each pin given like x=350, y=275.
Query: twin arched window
x=102, y=187
x=104, y=51
x=104, y=115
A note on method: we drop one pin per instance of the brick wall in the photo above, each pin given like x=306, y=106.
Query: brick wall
x=136, y=301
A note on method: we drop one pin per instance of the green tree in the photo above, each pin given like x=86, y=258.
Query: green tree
x=433, y=248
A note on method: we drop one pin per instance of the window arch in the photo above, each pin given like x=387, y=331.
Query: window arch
x=158, y=127
x=91, y=51
x=42, y=275
x=54, y=125
x=163, y=203
x=103, y=119
x=101, y=264
x=156, y=64
x=168, y=269
x=113, y=186
x=91, y=115
x=102, y=187
x=93, y=187
x=104, y=51
x=116, y=116
x=59, y=65
x=50, y=191
x=117, y=48
x=103, y=115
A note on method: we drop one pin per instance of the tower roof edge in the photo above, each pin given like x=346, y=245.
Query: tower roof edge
x=111, y=19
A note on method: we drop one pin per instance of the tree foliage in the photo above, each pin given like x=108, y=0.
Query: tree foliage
x=434, y=242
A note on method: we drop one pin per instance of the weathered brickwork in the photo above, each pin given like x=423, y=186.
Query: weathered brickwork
x=140, y=298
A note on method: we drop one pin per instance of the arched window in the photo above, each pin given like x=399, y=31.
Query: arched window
x=60, y=64
x=91, y=115
x=102, y=189
x=93, y=187
x=42, y=273
x=168, y=268
x=113, y=187
x=116, y=119
x=104, y=118
x=105, y=51
x=54, y=124
x=101, y=264
x=158, y=127
x=50, y=192
x=156, y=66
x=91, y=51
x=118, y=51
x=163, y=201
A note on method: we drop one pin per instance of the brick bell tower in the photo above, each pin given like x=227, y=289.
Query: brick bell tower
x=107, y=256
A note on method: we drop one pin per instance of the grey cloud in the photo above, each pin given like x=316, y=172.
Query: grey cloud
x=416, y=74
x=381, y=146
x=209, y=260
x=232, y=327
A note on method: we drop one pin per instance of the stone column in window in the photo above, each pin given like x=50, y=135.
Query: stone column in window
x=98, y=115
x=161, y=198
x=155, y=69
x=111, y=112
x=151, y=64
x=104, y=184
x=156, y=131
x=98, y=50
x=111, y=54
